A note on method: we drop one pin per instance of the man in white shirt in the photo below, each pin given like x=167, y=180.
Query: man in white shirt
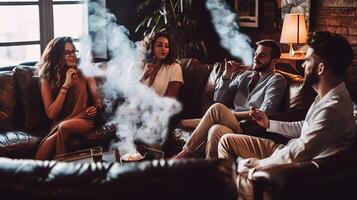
x=320, y=134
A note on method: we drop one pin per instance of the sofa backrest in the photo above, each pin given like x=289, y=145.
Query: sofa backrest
x=156, y=179
x=7, y=100
x=29, y=98
x=21, y=106
x=298, y=95
x=195, y=75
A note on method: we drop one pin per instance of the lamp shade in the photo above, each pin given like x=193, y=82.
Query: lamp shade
x=294, y=29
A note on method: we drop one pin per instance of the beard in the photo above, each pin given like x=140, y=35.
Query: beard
x=263, y=67
x=313, y=78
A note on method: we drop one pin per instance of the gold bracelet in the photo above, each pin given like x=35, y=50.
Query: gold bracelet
x=63, y=93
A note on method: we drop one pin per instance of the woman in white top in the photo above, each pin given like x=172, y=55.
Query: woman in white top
x=163, y=74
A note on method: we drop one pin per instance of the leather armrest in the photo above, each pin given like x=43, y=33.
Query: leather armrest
x=250, y=127
x=289, y=116
x=293, y=115
x=324, y=178
x=279, y=182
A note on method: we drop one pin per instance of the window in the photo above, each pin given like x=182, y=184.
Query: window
x=28, y=25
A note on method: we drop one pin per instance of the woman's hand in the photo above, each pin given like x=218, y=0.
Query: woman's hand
x=71, y=75
x=148, y=70
x=260, y=117
x=91, y=112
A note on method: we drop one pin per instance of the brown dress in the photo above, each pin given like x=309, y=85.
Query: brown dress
x=74, y=107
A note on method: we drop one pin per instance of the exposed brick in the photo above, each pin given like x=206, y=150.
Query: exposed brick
x=333, y=29
x=328, y=20
x=341, y=12
x=349, y=21
x=352, y=30
x=352, y=39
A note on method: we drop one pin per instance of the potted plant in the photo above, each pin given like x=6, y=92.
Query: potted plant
x=174, y=17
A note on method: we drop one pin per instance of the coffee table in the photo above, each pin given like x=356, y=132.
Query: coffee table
x=84, y=156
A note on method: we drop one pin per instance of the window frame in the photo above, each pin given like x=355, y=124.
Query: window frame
x=46, y=21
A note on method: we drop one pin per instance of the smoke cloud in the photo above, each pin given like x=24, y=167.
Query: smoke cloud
x=224, y=22
x=139, y=113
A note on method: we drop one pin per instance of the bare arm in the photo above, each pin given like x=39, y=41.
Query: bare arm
x=52, y=107
x=173, y=89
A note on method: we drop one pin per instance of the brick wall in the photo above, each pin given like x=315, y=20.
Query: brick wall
x=341, y=19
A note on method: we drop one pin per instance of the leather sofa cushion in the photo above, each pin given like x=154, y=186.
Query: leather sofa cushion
x=17, y=144
x=30, y=99
x=7, y=100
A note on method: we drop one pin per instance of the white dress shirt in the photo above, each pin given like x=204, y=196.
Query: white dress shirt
x=329, y=127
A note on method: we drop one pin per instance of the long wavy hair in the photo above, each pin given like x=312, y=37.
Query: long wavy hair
x=171, y=57
x=52, y=66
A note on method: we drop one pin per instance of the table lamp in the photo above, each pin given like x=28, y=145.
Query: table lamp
x=293, y=31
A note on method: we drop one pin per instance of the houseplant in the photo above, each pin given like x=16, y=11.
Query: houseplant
x=174, y=17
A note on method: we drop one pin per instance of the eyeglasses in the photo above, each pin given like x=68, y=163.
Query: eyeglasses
x=69, y=53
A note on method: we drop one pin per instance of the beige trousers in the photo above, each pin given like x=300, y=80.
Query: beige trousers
x=189, y=124
x=245, y=146
x=217, y=121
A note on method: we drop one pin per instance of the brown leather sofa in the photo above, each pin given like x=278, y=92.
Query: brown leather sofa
x=157, y=179
x=23, y=122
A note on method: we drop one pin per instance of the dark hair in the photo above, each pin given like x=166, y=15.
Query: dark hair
x=333, y=50
x=171, y=57
x=52, y=62
x=275, y=48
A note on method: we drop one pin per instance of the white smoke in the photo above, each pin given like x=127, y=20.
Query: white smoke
x=224, y=22
x=139, y=113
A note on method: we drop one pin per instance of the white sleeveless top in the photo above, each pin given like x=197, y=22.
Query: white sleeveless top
x=165, y=75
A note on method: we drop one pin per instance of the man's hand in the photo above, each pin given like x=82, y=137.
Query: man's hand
x=260, y=117
x=230, y=67
x=246, y=164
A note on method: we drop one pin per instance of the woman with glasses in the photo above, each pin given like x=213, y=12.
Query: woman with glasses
x=163, y=73
x=70, y=99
